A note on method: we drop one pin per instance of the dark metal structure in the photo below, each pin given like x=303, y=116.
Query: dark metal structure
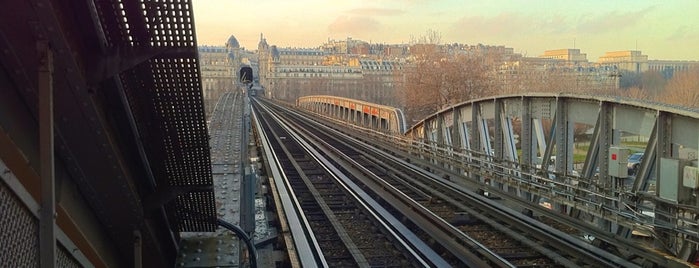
x=129, y=132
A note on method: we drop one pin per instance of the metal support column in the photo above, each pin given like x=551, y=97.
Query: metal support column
x=606, y=140
x=456, y=132
x=137, y=249
x=476, y=137
x=509, y=147
x=527, y=143
x=439, y=131
x=498, y=140
x=560, y=139
x=665, y=211
x=498, y=143
x=463, y=125
x=47, y=220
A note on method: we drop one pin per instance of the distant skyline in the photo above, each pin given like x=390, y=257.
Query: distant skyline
x=660, y=29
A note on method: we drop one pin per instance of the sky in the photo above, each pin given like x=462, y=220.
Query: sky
x=660, y=29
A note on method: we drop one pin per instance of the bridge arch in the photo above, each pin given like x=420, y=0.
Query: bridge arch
x=582, y=144
x=519, y=119
x=371, y=115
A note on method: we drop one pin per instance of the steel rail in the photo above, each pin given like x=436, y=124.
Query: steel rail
x=305, y=245
x=444, y=232
x=317, y=197
x=543, y=231
x=420, y=251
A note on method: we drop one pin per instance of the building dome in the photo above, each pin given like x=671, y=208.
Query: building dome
x=274, y=52
x=232, y=42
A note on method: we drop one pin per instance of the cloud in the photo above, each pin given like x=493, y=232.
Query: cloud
x=511, y=24
x=554, y=25
x=684, y=33
x=612, y=21
x=376, y=11
x=354, y=25
x=503, y=24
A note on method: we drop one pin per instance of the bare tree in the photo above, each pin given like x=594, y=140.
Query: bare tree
x=437, y=79
x=422, y=88
x=464, y=77
x=653, y=82
x=431, y=37
x=647, y=85
x=683, y=89
x=636, y=93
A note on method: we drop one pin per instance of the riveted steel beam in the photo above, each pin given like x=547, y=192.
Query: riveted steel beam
x=47, y=219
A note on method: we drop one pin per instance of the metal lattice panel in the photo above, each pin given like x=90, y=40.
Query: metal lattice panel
x=65, y=260
x=177, y=27
x=193, y=222
x=164, y=95
x=179, y=107
x=19, y=232
x=166, y=101
x=156, y=23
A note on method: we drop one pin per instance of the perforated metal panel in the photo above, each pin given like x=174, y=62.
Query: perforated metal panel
x=158, y=23
x=177, y=29
x=181, y=108
x=65, y=260
x=19, y=232
x=166, y=100
x=164, y=95
x=194, y=222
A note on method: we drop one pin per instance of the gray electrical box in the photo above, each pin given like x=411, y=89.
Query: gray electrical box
x=618, y=159
x=669, y=182
x=691, y=177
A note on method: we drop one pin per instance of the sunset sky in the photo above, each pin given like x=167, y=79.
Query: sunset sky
x=661, y=29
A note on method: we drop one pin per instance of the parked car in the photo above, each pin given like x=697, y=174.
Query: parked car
x=634, y=162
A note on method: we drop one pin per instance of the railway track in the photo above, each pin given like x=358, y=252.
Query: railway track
x=221, y=130
x=472, y=221
x=343, y=230
x=499, y=236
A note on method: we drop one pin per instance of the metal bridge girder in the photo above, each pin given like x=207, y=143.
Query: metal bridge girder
x=361, y=113
x=671, y=133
